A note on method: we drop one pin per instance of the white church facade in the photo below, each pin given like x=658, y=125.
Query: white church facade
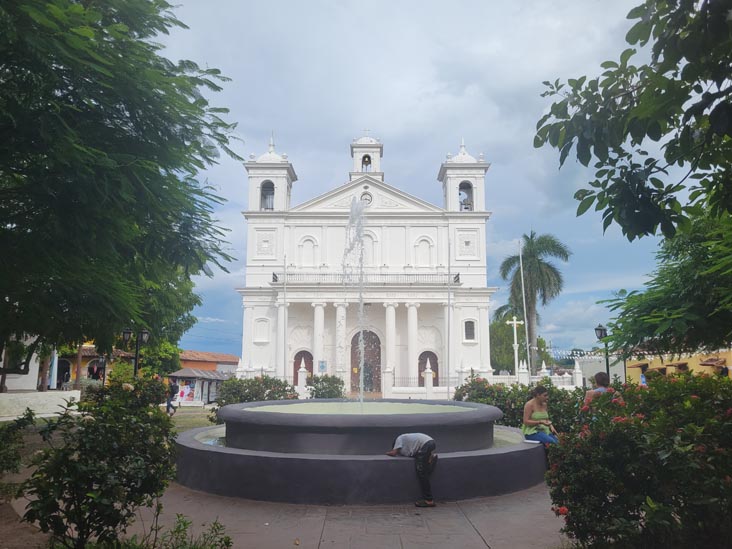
x=423, y=285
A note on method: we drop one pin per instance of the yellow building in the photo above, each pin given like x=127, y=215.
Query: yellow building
x=700, y=363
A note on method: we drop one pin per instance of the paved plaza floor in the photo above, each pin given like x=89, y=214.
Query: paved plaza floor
x=520, y=520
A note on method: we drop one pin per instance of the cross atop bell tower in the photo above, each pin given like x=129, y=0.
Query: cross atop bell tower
x=366, y=152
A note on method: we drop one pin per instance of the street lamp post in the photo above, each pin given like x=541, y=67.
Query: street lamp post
x=601, y=333
x=142, y=335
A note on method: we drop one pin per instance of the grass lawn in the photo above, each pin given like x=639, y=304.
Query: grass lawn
x=186, y=418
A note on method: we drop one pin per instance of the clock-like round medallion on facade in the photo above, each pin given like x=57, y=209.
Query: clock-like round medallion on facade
x=366, y=198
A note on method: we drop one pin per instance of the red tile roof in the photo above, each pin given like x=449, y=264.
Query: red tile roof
x=203, y=356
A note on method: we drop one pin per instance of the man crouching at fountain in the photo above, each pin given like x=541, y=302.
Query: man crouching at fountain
x=422, y=448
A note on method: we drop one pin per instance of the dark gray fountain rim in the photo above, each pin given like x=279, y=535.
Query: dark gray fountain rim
x=232, y=413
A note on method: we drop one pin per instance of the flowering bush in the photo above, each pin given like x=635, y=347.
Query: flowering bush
x=115, y=454
x=650, y=467
x=11, y=435
x=236, y=390
x=326, y=386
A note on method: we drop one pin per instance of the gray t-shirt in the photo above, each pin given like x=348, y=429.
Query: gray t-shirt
x=409, y=444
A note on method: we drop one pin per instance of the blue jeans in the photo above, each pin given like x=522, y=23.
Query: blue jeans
x=544, y=438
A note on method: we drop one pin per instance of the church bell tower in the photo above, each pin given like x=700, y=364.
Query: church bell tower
x=463, y=182
x=366, y=153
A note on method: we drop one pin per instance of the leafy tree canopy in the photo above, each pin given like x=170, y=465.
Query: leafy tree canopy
x=687, y=305
x=104, y=219
x=678, y=103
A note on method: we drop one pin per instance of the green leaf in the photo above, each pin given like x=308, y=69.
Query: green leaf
x=638, y=33
x=86, y=32
x=585, y=205
x=583, y=151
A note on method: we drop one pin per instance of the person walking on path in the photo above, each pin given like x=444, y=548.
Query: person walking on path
x=172, y=393
x=422, y=448
x=537, y=426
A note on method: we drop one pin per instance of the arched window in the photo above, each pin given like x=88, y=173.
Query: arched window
x=366, y=163
x=261, y=330
x=308, y=252
x=267, y=196
x=465, y=192
x=423, y=253
x=369, y=250
x=469, y=330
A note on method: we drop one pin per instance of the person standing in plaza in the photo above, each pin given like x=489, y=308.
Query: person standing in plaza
x=422, y=448
x=172, y=393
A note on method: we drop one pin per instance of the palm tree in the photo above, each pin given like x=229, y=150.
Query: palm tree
x=542, y=280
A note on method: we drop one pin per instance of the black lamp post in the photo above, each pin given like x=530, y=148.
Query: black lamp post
x=601, y=333
x=142, y=335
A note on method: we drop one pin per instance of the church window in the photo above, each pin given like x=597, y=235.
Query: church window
x=465, y=192
x=307, y=252
x=261, y=330
x=267, y=196
x=423, y=253
x=469, y=330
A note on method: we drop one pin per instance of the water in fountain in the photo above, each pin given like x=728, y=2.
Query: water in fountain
x=353, y=259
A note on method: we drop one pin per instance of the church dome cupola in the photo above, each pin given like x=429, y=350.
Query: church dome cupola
x=270, y=180
x=463, y=181
x=366, y=152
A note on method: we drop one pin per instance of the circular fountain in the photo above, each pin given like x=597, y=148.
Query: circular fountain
x=333, y=452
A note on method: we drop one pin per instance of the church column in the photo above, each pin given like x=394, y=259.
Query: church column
x=340, y=343
x=318, y=329
x=281, y=343
x=449, y=365
x=485, y=340
x=412, y=351
x=390, y=325
x=247, y=336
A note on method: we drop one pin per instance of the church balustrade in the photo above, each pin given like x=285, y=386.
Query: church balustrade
x=368, y=278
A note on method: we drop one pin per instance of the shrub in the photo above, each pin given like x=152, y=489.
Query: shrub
x=115, y=454
x=11, y=435
x=653, y=469
x=510, y=399
x=326, y=386
x=236, y=390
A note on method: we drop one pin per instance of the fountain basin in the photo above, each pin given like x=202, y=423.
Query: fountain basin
x=337, y=427
x=265, y=471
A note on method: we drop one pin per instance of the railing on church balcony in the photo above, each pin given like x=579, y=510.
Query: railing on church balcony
x=352, y=279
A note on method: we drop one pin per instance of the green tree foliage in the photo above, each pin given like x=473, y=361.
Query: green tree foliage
x=686, y=306
x=677, y=103
x=104, y=219
x=651, y=470
x=107, y=456
x=161, y=357
x=502, y=347
x=542, y=280
x=326, y=386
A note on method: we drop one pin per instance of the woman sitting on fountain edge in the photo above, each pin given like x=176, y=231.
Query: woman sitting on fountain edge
x=537, y=426
x=422, y=448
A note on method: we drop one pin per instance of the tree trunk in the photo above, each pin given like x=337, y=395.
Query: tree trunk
x=45, y=365
x=77, y=381
x=533, y=352
x=3, y=387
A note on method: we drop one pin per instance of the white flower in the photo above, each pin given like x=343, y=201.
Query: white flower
x=128, y=387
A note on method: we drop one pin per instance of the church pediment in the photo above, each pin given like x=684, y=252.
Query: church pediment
x=381, y=198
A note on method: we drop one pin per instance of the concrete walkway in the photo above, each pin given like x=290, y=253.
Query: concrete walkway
x=520, y=520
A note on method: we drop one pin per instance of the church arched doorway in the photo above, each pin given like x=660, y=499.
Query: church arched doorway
x=371, y=363
x=298, y=361
x=433, y=365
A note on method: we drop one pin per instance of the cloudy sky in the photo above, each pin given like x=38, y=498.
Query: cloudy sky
x=420, y=75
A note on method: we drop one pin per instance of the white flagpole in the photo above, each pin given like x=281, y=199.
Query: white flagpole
x=526, y=318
